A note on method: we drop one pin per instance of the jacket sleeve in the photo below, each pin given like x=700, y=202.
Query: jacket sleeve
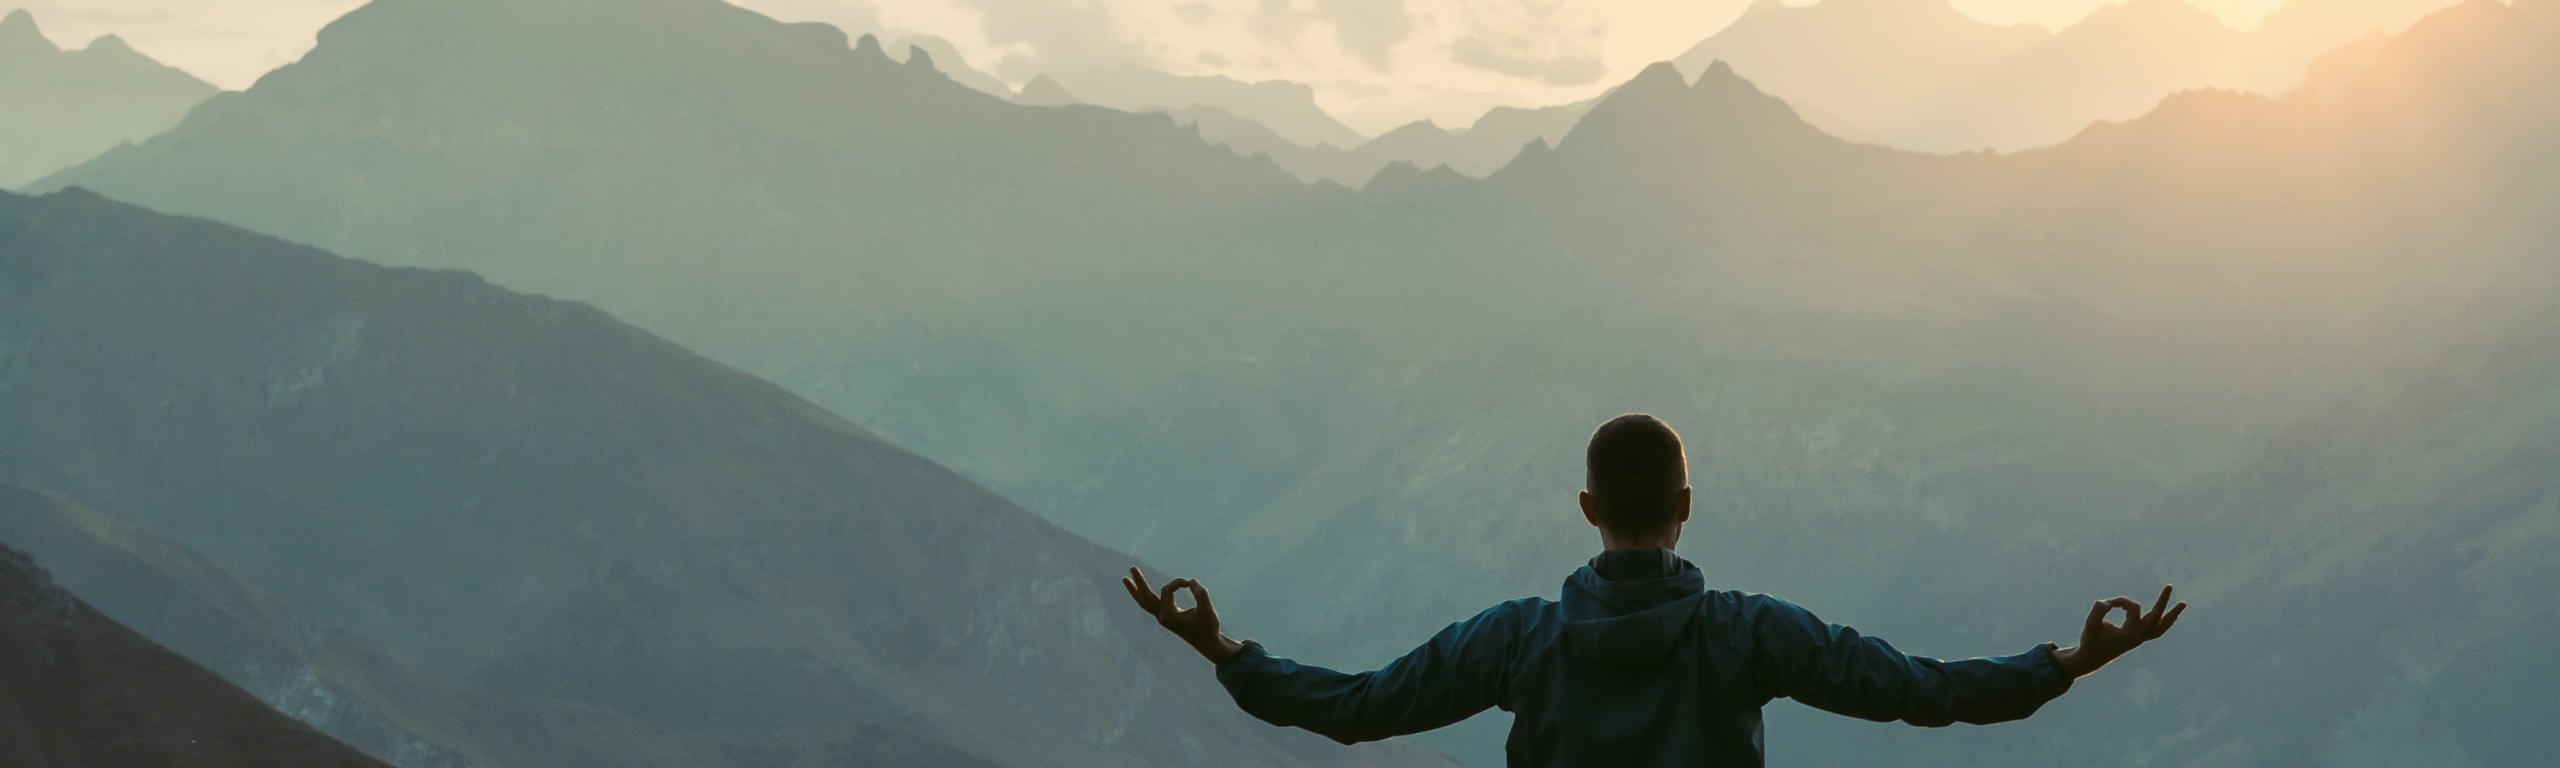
x=1831, y=667
x=1460, y=672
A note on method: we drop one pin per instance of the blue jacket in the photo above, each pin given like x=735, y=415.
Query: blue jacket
x=1639, y=665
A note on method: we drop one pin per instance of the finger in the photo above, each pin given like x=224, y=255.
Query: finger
x=2132, y=610
x=1134, y=594
x=1200, y=597
x=1146, y=594
x=2168, y=620
x=2161, y=606
x=2097, y=616
x=1166, y=599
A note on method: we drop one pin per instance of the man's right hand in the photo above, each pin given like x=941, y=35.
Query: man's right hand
x=2102, y=642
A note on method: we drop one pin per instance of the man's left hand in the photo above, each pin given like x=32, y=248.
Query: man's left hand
x=1196, y=625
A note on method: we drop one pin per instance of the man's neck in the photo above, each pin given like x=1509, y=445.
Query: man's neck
x=1637, y=564
x=1656, y=541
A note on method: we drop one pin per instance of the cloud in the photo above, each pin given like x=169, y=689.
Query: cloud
x=1535, y=40
x=1368, y=30
x=1061, y=34
x=114, y=17
x=1506, y=58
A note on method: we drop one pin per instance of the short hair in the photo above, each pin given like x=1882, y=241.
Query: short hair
x=1635, y=470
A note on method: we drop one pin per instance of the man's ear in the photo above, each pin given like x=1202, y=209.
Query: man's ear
x=1684, y=506
x=1591, y=510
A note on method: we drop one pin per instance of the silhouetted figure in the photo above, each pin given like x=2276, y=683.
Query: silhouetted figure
x=1640, y=664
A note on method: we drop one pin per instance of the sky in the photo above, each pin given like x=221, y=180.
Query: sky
x=1374, y=63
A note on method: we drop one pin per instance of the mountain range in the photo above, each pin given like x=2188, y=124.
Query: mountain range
x=1285, y=108
x=523, y=500
x=947, y=59
x=1947, y=398
x=69, y=106
x=82, y=690
x=1476, y=151
x=1925, y=76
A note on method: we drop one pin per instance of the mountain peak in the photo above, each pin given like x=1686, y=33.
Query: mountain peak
x=1657, y=116
x=1403, y=178
x=919, y=60
x=869, y=45
x=1658, y=88
x=1045, y=91
x=18, y=33
x=1660, y=75
x=1416, y=130
x=1721, y=82
x=110, y=44
x=1762, y=8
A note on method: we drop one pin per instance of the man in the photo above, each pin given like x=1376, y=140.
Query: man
x=1639, y=664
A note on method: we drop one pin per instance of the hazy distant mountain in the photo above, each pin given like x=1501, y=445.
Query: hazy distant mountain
x=1927, y=77
x=69, y=106
x=1879, y=63
x=1288, y=109
x=948, y=60
x=526, y=498
x=1479, y=149
x=2329, y=75
x=2315, y=25
x=1044, y=91
x=1475, y=151
x=78, y=689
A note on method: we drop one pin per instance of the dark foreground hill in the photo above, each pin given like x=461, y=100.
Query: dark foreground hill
x=522, y=497
x=78, y=689
x=332, y=680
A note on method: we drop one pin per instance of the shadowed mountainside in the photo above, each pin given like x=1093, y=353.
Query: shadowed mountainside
x=78, y=689
x=351, y=689
x=524, y=497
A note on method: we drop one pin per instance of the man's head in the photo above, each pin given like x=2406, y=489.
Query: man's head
x=1636, y=482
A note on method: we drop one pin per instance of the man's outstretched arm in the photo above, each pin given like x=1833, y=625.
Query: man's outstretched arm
x=1460, y=672
x=1833, y=668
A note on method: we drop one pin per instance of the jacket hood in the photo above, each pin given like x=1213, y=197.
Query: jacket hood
x=1633, y=620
